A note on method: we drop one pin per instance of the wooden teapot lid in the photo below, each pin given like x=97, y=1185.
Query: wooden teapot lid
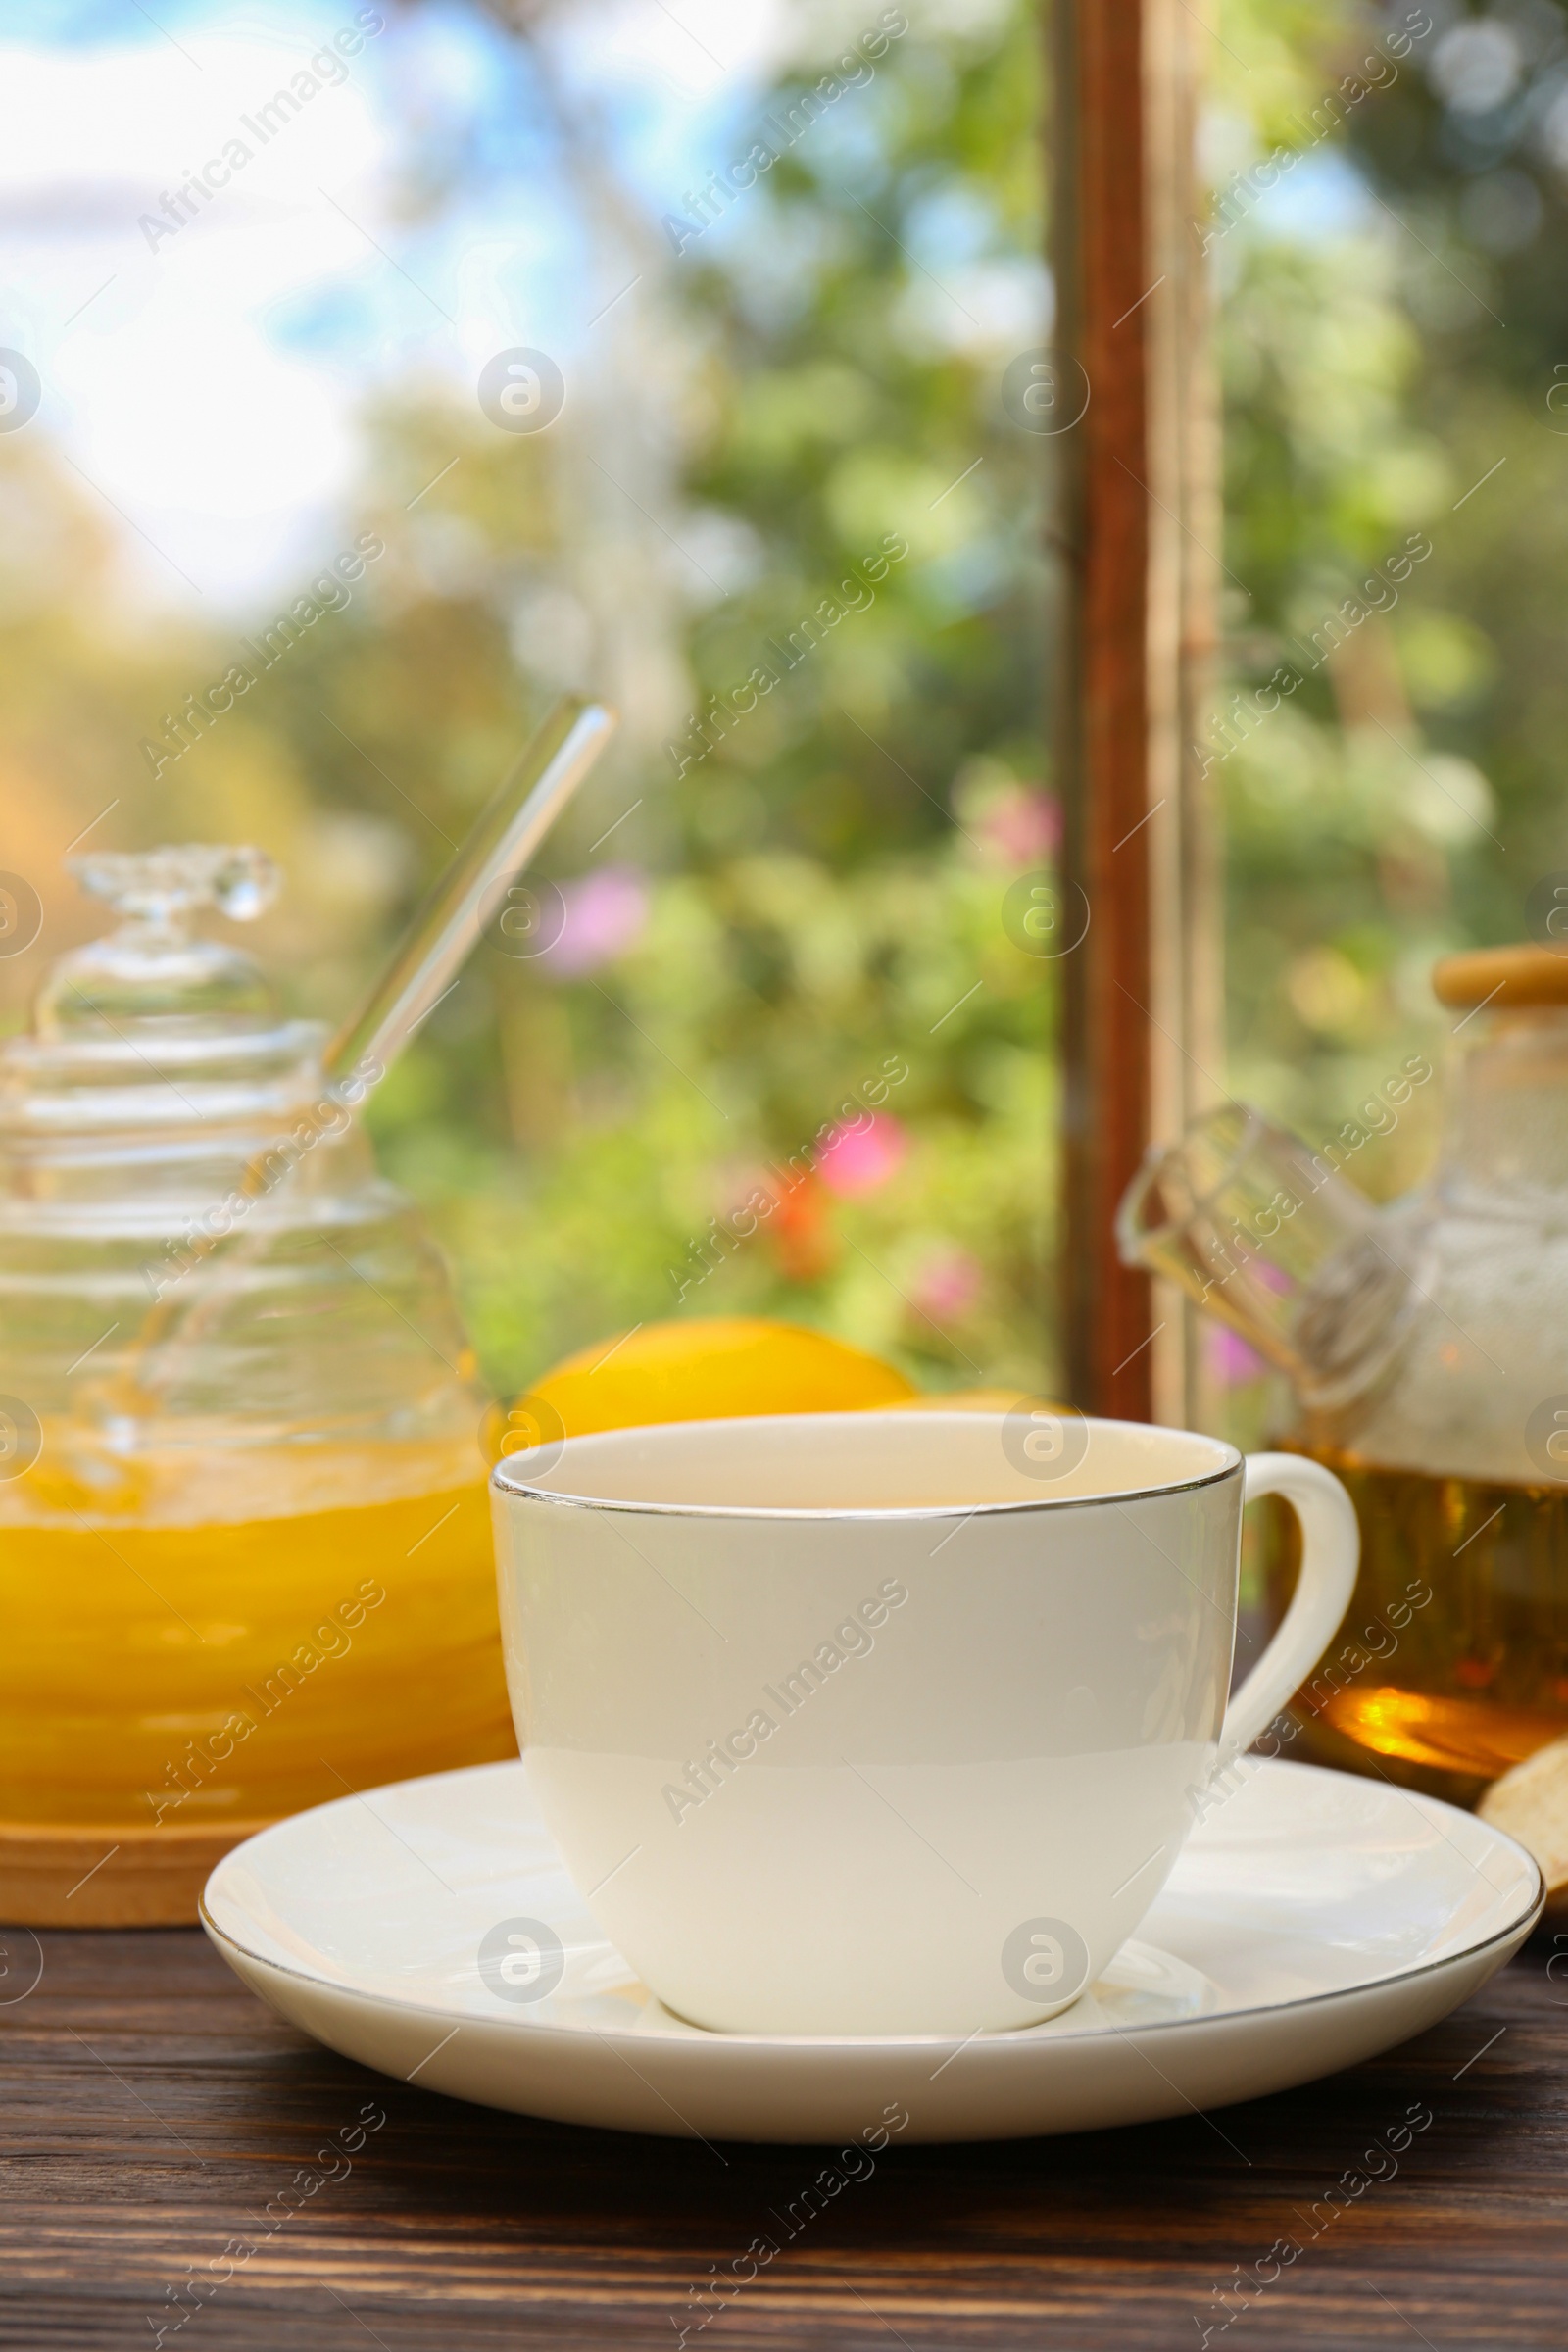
x=1503, y=977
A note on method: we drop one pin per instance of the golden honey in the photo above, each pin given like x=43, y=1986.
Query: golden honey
x=231, y=1636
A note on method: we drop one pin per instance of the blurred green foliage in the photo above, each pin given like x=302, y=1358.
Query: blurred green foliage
x=818, y=896
x=825, y=884
x=835, y=864
x=1389, y=322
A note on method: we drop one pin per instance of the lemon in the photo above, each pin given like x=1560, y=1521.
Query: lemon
x=975, y=1401
x=699, y=1368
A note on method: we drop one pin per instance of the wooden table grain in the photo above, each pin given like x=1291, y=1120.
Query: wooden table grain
x=152, y=2109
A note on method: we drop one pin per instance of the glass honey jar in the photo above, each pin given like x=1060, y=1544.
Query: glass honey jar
x=245, y=1559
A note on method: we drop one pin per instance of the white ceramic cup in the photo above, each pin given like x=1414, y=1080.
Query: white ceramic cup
x=888, y=1722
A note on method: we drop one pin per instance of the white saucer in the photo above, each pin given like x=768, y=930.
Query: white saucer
x=1311, y=1921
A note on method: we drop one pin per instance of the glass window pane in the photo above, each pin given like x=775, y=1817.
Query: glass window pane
x=379, y=375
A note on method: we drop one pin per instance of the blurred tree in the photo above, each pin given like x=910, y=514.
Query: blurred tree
x=865, y=518
x=790, y=460
x=1400, y=800
x=794, y=440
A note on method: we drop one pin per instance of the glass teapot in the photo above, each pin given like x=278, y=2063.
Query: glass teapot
x=245, y=1558
x=1426, y=1348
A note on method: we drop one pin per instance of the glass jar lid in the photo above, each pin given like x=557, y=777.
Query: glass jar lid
x=153, y=1026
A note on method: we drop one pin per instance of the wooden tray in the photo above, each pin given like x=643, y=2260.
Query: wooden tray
x=69, y=1876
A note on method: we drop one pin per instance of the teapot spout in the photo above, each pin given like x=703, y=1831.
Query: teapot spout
x=1271, y=1239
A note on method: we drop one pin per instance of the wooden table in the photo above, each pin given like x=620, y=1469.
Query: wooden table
x=151, y=2107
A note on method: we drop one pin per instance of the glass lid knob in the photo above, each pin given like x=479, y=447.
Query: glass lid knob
x=154, y=966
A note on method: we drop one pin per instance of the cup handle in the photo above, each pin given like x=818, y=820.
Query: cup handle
x=1330, y=1552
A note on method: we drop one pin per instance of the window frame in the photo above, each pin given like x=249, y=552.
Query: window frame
x=1138, y=527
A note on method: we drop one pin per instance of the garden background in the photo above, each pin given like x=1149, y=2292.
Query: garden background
x=767, y=388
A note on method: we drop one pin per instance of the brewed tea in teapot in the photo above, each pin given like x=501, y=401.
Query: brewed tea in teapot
x=1426, y=1347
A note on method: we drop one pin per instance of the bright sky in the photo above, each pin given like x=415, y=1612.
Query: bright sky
x=206, y=385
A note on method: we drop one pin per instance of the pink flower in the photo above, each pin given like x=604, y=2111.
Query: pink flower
x=1230, y=1357
x=605, y=915
x=856, y=1159
x=1024, y=826
x=949, y=1283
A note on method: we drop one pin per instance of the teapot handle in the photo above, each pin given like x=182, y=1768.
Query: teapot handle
x=1330, y=1552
